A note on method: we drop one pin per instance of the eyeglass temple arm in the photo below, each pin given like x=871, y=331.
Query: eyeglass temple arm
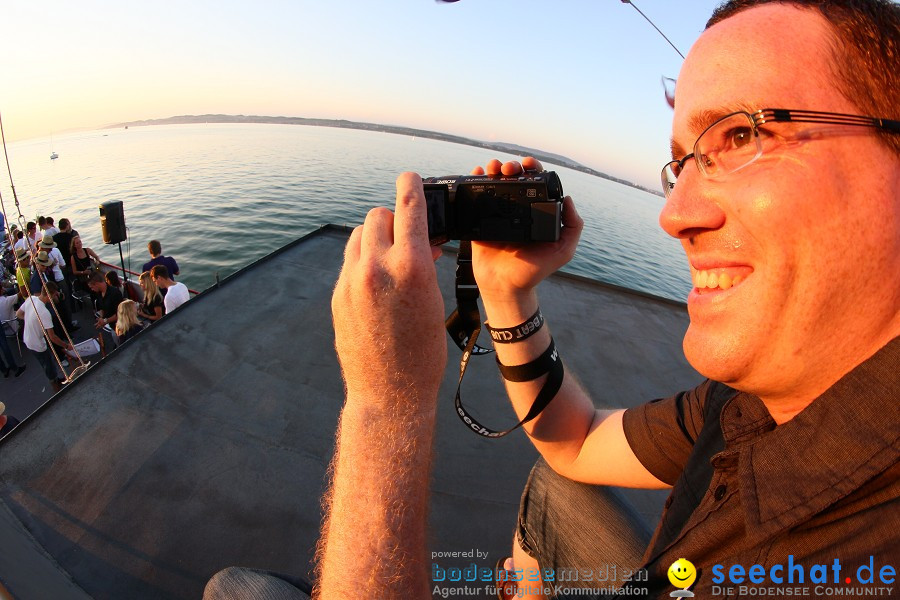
x=811, y=116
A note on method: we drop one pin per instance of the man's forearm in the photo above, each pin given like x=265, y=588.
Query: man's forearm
x=374, y=536
x=559, y=431
x=55, y=339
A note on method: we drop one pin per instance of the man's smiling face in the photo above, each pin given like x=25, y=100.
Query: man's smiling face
x=795, y=257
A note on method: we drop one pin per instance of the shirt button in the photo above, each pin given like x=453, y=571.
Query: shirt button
x=720, y=492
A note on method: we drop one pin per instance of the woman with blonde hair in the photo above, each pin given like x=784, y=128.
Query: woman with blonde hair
x=152, y=308
x=127, y=324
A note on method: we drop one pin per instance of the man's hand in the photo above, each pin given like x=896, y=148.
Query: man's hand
x=387, y=307
x=507, y=272
x=389, y=334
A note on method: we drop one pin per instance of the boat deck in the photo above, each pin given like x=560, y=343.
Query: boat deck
x=204, y=442
x=25, y=394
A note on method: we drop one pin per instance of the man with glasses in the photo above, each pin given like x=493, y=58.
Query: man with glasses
x=784, y=193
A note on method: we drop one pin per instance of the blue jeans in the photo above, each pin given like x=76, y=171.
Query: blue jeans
x=573, y=528
x=235, y=583
x=48, y=363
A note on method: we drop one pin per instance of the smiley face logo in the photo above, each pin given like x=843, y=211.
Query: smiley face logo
x=682, y=573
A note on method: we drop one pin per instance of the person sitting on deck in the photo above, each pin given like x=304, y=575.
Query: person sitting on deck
x=127, y=323
x=108, y=300
x=176, y=292
x=785, y=458
x=38, y=325
x=112, y=280
x=152, y=308
x=156, y=258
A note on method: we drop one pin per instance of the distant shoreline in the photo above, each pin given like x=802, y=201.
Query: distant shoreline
x=544, y=157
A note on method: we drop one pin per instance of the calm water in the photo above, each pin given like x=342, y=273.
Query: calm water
x=220, y=196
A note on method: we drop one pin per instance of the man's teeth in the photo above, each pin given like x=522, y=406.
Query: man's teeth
x=714, y=279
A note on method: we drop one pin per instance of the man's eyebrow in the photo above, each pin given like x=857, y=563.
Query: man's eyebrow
x=699, y=121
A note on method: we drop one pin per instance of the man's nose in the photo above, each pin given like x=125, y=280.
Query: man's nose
x=690, y=208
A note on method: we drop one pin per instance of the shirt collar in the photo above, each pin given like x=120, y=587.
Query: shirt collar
x=845, y=437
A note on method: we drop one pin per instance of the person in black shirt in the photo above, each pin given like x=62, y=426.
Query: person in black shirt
x=63, y=241
x=108, y=300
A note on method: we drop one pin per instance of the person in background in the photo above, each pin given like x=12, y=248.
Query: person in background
x=9, y=325
x=176, y=292
x=155, y=249
x=127, y=323
x=42, y=273
x=23, y=271
x=112, y=280
x=81, y=261
x=39, y=328
x=33, y=233
x=21, y=240
x=49, y=228
x=7, y=423
x=152, y=308
x=108, y=300
x=49, y=246
x=63, y=241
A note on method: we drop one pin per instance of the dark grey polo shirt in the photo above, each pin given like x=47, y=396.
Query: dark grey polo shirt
x=824, y=486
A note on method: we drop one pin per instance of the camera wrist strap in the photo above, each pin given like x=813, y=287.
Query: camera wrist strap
x=464, y=325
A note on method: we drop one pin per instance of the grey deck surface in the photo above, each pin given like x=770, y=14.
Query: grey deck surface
x=203, y=443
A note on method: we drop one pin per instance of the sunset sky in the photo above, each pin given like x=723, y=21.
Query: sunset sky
x=579, y=78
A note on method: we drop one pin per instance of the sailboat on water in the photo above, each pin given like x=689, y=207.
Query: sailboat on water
x=53, y=154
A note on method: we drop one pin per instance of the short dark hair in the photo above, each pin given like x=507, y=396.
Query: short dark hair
x=154, y=247
x=30, y=225
x=52, y=288
x=50, y=221
x=159, y=272
x=19, y=234
x=96, y=277
x=42, y=221
x=112, y=278
x=64, y=223
x=865, y=51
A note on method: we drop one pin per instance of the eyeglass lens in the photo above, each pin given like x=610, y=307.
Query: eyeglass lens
x=727, y=145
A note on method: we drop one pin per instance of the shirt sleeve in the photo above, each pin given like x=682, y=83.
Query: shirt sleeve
x=662, y=432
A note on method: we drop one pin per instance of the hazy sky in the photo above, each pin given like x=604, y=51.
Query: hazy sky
x=576, y=77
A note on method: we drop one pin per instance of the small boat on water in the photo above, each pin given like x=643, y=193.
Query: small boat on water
x=204, y=441
x=54, y=156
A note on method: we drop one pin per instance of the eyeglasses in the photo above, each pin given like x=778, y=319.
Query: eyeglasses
x=735, y=140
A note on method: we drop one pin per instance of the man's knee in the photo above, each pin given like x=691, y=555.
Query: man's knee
x=564, y=523
x=236, y=583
